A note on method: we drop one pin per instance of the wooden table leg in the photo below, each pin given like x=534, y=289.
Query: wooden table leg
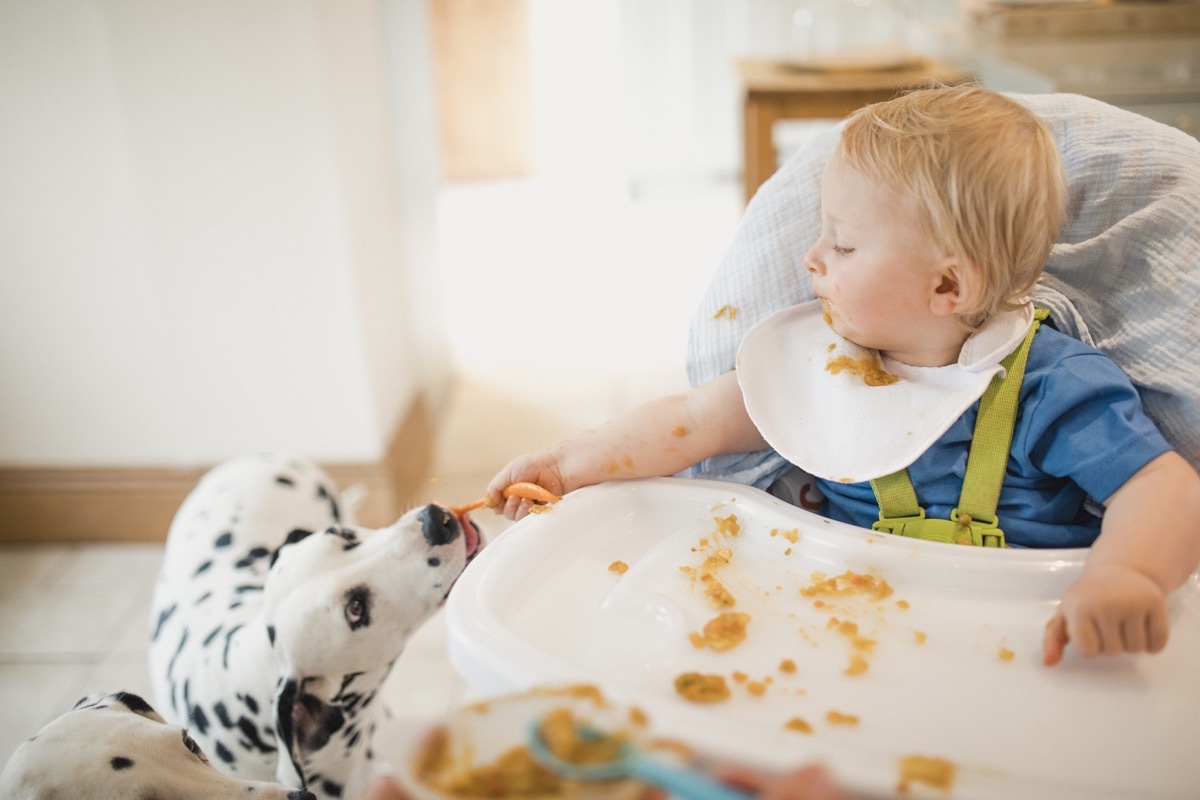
x=759, y=157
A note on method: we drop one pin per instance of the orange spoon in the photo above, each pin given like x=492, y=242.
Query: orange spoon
x=526, y=491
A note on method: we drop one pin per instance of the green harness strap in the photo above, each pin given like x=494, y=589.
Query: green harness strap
x=974, y=521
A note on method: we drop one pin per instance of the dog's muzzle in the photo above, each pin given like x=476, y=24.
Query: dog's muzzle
x=440, y=527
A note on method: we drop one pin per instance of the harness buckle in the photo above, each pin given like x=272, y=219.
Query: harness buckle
x=979, y=532
x=961, y=528
x=897, y=525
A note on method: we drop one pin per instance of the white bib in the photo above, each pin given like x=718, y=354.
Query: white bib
x=830, y=422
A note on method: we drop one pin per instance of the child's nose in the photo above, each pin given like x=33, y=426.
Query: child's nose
x=813, y=263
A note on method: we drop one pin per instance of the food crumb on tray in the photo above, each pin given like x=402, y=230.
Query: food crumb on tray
x=700, y=688
x=799, y=725
x=724, y=631
x=932, y=771
x=838, y=718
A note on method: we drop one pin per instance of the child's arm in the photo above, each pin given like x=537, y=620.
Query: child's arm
x=1149, y=544
x=661, y=437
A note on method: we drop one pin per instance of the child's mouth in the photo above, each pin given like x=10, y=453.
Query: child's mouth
x=826, y=311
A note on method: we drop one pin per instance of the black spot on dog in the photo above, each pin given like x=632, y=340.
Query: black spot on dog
x=223, y=714
x=253, y=739
x=248, y=587
x=121, y=762
x=215, y=632
x=323, y=494
x=200, y=570
x=347, y=679
x=163, y=616
x=284, y=480
x=271, y=634
x=332, y=789
x=203, y=597
x=224, y=540
x=250, y=702
x=224, y=753
x=250, y=558
x=228, y=640
x=434, y=561
x=182, y=641
x=199, y=719
x=134, y=703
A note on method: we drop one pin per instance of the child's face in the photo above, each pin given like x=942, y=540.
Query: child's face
x=871, y=269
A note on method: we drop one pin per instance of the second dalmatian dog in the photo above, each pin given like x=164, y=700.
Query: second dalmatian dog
x=274, y=623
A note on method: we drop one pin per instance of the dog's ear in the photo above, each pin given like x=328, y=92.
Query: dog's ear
x=303, y=723
x=298, y=535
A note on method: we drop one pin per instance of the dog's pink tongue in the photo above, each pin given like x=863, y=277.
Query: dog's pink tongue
x=471, y=537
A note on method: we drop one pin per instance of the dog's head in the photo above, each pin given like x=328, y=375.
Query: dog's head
x=340, y=605
x=115, y=746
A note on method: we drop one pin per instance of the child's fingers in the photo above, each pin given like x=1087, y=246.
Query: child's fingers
x=1054, y=640
x=1109, y=635
x=1157, y=629
x=1135, y=634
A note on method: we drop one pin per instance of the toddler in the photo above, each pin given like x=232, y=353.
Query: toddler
x=938, y=211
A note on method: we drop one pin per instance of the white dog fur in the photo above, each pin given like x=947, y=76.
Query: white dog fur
x=115, y=747
x=274, y=623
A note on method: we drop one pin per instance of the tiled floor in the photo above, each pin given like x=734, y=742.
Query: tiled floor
x=74, y=618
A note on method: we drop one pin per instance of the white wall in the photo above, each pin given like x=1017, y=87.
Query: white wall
x=210, y=236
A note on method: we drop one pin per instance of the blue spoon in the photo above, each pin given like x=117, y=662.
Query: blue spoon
x=631, y=763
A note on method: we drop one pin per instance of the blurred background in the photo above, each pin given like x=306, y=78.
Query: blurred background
x=388, y=234
x=407, y=238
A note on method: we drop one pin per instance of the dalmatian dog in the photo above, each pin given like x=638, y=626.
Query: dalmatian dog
x=275, y=622
x=116, y=747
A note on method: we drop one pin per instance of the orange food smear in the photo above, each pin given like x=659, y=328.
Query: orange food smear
x=870, y=369
x=699, y=688
x=726, y=631
x=838, y=718
x=799, y=725
x=929, y=770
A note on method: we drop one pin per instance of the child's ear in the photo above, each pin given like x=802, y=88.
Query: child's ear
x=956, y=285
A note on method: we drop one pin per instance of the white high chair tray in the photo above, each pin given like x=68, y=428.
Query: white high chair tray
x=954, y=673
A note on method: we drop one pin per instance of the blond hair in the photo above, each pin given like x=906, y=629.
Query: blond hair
x=980, y=174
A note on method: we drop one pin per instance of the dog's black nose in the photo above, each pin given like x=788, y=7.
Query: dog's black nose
x=439, y=525
x=301, y=795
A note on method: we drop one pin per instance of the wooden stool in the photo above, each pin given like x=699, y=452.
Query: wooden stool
x=772, y=91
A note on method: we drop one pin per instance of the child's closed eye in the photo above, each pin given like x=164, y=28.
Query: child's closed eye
x=842, y=251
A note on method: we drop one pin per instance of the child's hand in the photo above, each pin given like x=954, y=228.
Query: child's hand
x=1110, y=609
x=541, y=468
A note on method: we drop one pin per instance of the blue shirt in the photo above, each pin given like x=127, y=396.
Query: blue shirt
x=1080, y=434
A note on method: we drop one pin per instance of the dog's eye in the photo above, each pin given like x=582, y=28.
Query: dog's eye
x=358, y=607
x=191, y=745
